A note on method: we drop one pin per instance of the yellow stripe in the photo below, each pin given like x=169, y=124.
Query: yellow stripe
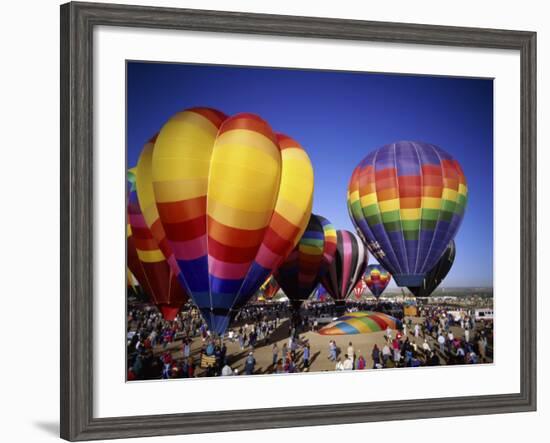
x=449, y=194
x=369, y=199
x=183, y=148
x=296, y=186
x=174, y=191
x=244, y=177
x=353, y=196
x=462, y=189
x=389, y=205
x=411, y=213
x=237, y=218
x=431, y=203
x=152, y=256
x=128, y=230
x=249, y=139
x=184, y=167
x=144, y=185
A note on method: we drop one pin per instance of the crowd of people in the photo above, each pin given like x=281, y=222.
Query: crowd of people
x=185, y=348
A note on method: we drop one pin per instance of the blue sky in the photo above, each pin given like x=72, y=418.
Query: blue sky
x=339, y=117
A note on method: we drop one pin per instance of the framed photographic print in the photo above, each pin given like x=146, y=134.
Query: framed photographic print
x=292, y=221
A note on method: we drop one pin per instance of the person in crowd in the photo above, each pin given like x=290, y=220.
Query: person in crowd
x=249, y=364
x=226, y=370
x=348, y=363
x=351, y=351
x=360, y=363
x=375, y=354
x=386, y=354
x=332, y=350
x=275, y=353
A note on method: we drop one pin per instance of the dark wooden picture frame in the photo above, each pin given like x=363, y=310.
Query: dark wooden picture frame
x=77, y=217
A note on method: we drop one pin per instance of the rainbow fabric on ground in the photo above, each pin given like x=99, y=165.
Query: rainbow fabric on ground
x=360, y=323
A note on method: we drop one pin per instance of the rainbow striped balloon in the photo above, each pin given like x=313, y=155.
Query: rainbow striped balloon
x=407, y=199
x=376, y=278
x=303, y=269
x=233, y=198
x=158, y=279
x=348, y=266
x=360, y=323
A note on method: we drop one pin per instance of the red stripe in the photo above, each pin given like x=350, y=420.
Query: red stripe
x=286, y=142
x=215, y=116
x=187, y=230
x=231, y=254
x=249, y=122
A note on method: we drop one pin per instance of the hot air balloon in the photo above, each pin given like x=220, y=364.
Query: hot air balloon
x=269, y=288
x=359, y=290
x=319, y=295
x=377, y=278
x=303, y=269
x=148, y=206
x=233, y=199
x=157, y=278
x=436, y=275
x=407, y=199
x=348, y=266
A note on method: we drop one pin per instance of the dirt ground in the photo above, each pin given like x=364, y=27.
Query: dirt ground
x=319, y=345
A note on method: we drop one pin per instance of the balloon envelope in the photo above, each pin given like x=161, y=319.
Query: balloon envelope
x=308, y=262
x=361, y=322
x=348, y=266
x=233, y=198
x=437, y=273
x=377, y=279
x=151, y=269
x=407, y=199
x=269, y=288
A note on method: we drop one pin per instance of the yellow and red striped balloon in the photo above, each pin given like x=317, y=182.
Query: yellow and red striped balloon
x=157, y=277
x=233, y=198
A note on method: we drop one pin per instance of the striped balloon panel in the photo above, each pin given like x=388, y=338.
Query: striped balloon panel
x=350, y=261
x=148, y=205
x=361, y=323
x=180, y=167
x=301, y=272
x=408, y=200
x=133, y=262
x=436, y=275
x=269, y=288
x=377, y=279
x=330, y=242
x=163, y=284
x=359, y=289
x=234, y=199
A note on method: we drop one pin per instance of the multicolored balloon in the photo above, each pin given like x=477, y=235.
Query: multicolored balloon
x=362, y=322
x=359, y=290
x=377, y=279
x=436, y=275
x=308, y=262
x=148, y=206
x=234, y=199
x=152, y=270
x=269, y=288
x=348, y=266
x=407, y=199
x=319, y=295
